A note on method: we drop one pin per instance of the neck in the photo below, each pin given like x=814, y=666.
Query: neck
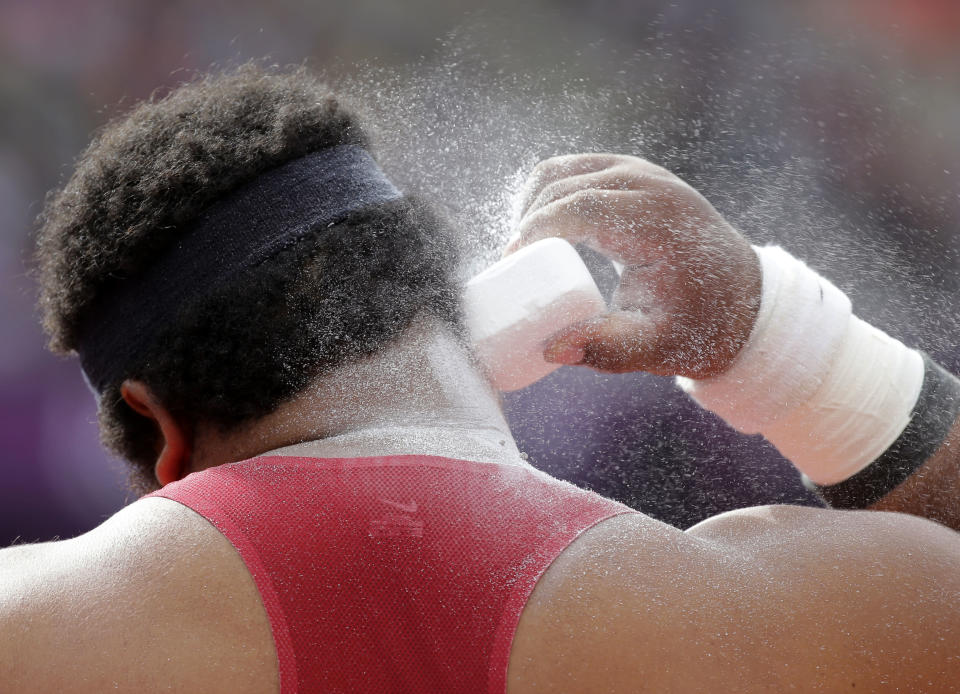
x=422, y=394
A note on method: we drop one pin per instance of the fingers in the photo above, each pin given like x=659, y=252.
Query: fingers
x=629, y=226
x=614, y=178
x=608, y=201
x=556, y=169
x=564, y=218
x=617, y=342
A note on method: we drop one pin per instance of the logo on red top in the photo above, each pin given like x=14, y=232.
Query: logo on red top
x=397, y=524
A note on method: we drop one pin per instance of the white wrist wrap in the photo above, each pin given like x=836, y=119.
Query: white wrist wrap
x=830, y=391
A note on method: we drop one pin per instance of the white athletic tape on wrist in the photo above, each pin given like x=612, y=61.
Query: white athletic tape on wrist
x=830, y=391
x=800, y=325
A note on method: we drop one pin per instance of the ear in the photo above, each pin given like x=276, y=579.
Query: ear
x=174, y=457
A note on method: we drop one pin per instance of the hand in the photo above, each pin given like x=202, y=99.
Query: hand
x=690, y=288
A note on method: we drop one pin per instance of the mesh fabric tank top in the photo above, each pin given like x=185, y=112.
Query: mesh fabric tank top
x=394, y=574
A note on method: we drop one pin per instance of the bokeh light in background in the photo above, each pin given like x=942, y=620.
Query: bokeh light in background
x=832, y=128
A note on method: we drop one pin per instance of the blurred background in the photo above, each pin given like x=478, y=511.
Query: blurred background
x=831, y=128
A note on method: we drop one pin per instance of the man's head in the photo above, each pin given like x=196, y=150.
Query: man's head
x=250, y=340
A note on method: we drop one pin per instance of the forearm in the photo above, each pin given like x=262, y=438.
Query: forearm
x=933, y=490
x=855, y=410
x=920, y=472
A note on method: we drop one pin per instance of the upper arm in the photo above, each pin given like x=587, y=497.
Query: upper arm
x=154, y=598
x=783, y=599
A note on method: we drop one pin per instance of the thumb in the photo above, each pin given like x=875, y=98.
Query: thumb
x=615, y=342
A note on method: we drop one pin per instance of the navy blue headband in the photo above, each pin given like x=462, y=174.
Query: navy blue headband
x=237, y=232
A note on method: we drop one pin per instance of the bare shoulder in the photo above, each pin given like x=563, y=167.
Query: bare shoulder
x=869, y=535
x=155, y=598
x=766, y=599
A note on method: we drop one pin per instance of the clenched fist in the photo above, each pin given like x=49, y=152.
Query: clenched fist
x=690, y=288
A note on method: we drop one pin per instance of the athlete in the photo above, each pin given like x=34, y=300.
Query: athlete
x=272, y=332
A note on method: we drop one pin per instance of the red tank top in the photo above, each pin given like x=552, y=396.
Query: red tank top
x=394, y=574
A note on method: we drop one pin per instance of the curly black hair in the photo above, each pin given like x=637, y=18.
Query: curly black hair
x=237, y=353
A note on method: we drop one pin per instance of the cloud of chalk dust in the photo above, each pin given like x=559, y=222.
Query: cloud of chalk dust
x=790, y=136
x=464, y=128
x=738, y=116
